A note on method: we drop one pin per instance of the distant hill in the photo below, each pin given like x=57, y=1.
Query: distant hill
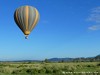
x=80, y=59
x=98, y=56
x=60, y=59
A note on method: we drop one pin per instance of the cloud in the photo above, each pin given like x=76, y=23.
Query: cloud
x=94, y=27
x=95, y=18
x=96, y=10
x=95, y=15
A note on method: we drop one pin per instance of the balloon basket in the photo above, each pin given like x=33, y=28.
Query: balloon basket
x=26, y=37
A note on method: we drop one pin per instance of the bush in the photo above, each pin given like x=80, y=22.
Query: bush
x=69, y=68
x=57, y=70
x=20, y=71
x=98, y=64
x=88, y=65
x=32, y=71
x=42, y=71
x=49, y=70
x=16, y=72
x=6, y=70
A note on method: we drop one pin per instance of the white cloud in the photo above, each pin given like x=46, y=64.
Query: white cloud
x=95, y=18
x=96, y=10
x=94, y=27
x=95, y=15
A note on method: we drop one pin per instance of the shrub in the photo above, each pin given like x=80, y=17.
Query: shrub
x=32, y=71
x=48, y=70
x=69, y=68
x=42, y=71
x=20, y=71
x=98, y=64
x=56, y=70
x=16, y=72
x=88, y=65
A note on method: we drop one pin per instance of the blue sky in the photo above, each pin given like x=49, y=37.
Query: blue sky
x=67, y=28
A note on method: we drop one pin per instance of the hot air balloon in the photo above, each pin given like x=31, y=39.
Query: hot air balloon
x=26, y=18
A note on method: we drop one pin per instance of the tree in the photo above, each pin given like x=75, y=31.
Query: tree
x=46, y=60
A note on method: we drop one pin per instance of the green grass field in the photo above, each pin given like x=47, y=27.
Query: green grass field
x=36, y=68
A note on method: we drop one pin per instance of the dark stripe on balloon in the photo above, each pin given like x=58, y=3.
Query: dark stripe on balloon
x=17, y=20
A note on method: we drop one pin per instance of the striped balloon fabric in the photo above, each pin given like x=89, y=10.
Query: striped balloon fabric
x=26, y=18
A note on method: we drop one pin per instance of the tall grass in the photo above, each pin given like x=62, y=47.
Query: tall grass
x=10, y=68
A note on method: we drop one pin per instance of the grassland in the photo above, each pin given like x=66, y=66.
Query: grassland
x=42, y=68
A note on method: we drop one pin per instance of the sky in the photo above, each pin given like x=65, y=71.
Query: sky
x=67, y=28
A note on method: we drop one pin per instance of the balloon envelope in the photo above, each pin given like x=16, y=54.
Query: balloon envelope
x=26, y=18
